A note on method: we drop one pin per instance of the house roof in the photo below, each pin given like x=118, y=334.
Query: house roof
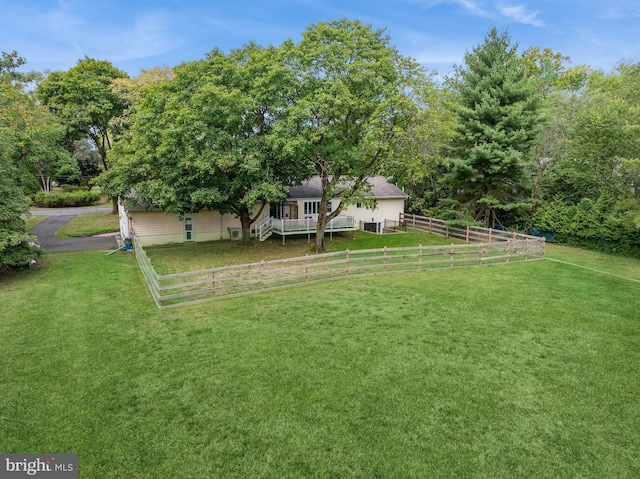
x=380, y=188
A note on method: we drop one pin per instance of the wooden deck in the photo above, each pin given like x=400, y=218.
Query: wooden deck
x=302, y=226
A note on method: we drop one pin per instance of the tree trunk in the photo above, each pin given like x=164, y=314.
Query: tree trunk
x=320, y=227
x=114, y=208
x=246, y=221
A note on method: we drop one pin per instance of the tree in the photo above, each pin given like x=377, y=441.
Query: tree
x=198, y=140
x=9, y=64
x=31, y=138
x=349, y=100
x=84, y=101
x=497, y=124
x=594, y=187
x=16, y=243
x=132, y=91
x=21, y=144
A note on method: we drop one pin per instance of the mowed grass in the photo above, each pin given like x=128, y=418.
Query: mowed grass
x=31, y=221
x=89, y=224
x=195, y=256
x=527, y=370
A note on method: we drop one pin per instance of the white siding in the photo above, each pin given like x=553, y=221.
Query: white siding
x=156, y=227
x=386, y=209
x=124, y=221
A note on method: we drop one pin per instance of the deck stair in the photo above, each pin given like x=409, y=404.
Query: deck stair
x=265, y=228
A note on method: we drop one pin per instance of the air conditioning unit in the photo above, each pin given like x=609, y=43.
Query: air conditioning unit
x=235, y=233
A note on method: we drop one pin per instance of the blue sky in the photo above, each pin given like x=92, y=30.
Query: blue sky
x=135, y=34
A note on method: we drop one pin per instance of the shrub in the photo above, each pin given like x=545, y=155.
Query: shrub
x=71, y=188
x=61, y=200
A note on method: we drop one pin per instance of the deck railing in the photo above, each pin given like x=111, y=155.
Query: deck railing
x=305, y=225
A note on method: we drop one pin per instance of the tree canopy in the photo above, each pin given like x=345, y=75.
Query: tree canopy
x=351, y=99
x=498, y=121
x=198, y=140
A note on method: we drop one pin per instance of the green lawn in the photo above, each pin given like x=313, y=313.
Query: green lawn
x=31, y=221
x=527, y=370
x=89, y=224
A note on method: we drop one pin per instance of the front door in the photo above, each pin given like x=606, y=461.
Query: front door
x=189, y=233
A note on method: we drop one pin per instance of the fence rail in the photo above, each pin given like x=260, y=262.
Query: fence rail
x=468, y=234
x=193, y=287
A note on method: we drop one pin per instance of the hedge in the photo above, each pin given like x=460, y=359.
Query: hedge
x=61, y=200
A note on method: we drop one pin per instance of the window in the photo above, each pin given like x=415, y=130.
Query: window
x=358, y=205
x=188, y=228
x=312, y=207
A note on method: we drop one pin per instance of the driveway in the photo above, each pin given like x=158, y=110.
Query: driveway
x=45, y=231
x=67, y=211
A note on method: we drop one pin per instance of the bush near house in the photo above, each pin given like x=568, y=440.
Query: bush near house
x=61, y=200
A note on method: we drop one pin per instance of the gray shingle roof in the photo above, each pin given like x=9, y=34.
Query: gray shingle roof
x=380, y=188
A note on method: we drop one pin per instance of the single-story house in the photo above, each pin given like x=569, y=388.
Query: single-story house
x=294, y=216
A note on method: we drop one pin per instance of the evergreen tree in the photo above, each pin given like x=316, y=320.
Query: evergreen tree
x=497, y=123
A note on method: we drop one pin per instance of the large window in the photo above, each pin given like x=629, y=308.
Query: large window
x=312, y=207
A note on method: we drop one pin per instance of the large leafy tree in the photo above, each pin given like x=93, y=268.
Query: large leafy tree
x=198, y=140
x=85, y=102
x=350, y=101
x=594, y=188
x=29, y=144
x=31, y=139
x=132, y=91
x=10, y=73
x=497, y=124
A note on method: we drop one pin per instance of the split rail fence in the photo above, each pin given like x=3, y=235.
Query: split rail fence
x=482, y=247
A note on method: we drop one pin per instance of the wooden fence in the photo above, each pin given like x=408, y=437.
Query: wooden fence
x=468, y=234
x=193, y=287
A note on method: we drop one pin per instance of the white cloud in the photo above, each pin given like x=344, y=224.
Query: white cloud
x=519, y=14
x=473, y=7
x=149, y=37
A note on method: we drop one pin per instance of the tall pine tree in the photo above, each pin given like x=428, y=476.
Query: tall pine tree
x=497, y=123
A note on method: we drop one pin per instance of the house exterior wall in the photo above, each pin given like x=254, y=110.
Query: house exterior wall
x=157, y=228
x=123, y=220
x=386, y=209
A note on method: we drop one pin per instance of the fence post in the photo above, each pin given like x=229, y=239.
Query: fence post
x=429, y=225
x=467, y=238
x=446, y=235
x=420, y=258
x=451, y=257
x=347, y=263
x=213, y=283
x=490, y=239
x=385, y=259
x=262, y=274
x=306, y=267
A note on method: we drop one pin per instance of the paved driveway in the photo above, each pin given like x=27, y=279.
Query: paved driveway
x=45, y=231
